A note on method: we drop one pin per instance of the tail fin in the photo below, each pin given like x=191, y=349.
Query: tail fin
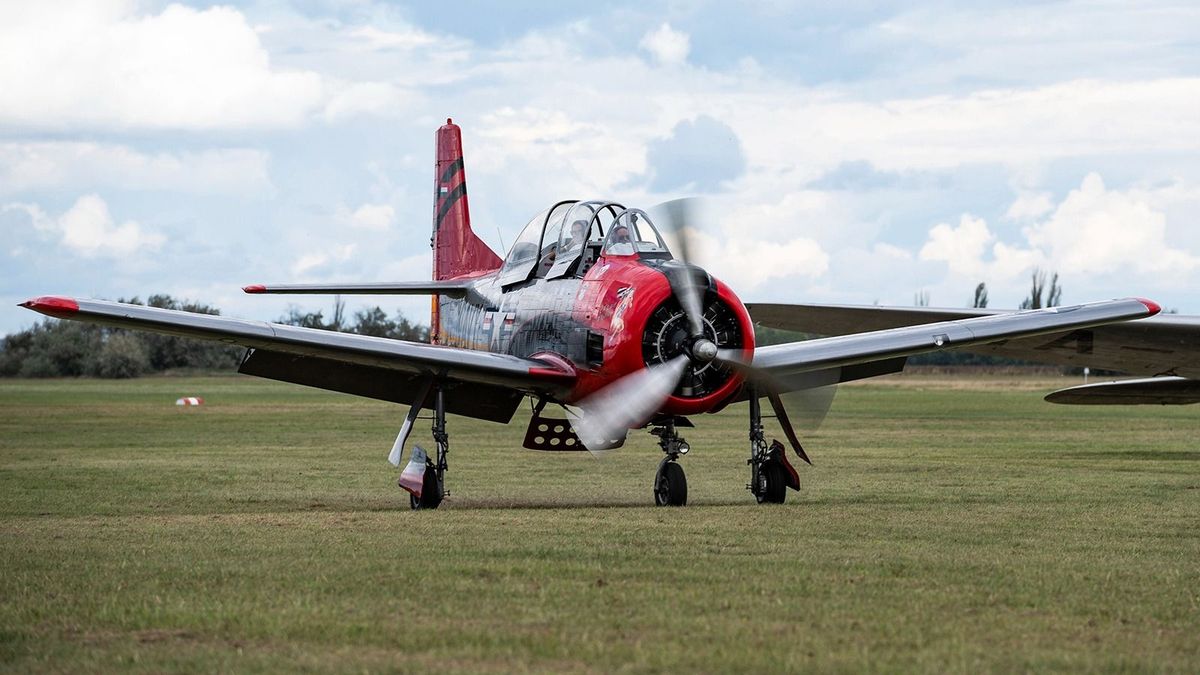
x=456, y=249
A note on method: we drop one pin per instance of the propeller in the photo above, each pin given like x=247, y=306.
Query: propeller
x=606, y=416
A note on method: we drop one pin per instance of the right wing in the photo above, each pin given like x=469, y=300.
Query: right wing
x=1167, y=343
x=797, y=361
x=480, y=384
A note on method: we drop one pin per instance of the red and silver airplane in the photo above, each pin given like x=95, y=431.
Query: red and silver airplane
x=592, y=310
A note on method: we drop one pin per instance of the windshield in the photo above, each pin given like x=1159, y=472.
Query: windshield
x=536, y=242
x=632, y=232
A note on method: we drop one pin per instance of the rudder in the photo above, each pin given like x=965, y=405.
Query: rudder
x=456, y=250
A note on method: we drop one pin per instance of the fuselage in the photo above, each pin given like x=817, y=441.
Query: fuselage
x=610, y=316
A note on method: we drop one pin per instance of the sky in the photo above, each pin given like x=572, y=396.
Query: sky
x=867, y=153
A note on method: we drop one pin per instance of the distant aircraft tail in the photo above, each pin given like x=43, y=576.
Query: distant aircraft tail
x=456, y=250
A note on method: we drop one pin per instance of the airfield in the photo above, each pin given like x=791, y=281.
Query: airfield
x=950, y=524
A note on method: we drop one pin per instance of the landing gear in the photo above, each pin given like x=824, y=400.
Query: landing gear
x=670, y=483
x=770, y=472
x=433, y=482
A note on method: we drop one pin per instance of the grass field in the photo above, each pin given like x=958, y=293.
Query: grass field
x=957, y=525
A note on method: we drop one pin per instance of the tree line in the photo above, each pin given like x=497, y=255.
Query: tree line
x=54, y=348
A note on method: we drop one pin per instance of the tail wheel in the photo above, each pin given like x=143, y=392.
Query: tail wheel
x=670, y=485
x=431, y=492
x=772, y=484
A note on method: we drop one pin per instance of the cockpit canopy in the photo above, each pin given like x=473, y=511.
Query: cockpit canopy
x=553, y=242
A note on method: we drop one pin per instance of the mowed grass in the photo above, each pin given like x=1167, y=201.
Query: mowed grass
x=948, y=525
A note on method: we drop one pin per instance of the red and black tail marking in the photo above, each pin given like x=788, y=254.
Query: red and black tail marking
x=456, y=250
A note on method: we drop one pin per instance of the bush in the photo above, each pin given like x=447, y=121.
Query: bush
x=121, y=356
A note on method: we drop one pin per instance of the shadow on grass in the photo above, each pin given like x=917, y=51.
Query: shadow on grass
x=1143, y=455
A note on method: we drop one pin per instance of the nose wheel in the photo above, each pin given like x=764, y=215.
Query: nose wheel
x=670, y=483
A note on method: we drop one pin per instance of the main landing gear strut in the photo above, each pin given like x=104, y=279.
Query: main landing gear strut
x=770, y=472
x=670, y=483
x=433, y=478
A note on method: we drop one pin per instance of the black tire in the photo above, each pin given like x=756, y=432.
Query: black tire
x=670, y=485
x=772, y=484
x=431, y=492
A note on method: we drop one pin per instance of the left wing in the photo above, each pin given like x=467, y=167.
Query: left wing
x=788, y=362
x=480, y=384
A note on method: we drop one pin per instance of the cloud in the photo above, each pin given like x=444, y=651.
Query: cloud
x=322, y=262
x=1030, y=205
x=366, y=98
x=1092, y=233
x=103, y=65
x=88, y=229
x=1097, y=231
x=668, y=46
x=699, y=156
x=40, y=165
x=374, y=217
x=746, y=263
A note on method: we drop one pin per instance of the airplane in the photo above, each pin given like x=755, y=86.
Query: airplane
x=590, y=311
x=1166, y=348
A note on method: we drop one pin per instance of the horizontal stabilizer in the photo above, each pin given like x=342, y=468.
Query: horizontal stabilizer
x=453, y=288
x=1142, y=391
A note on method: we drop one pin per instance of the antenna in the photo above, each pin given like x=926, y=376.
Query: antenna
x=503, y=248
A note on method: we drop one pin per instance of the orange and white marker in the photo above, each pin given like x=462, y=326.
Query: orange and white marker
x=190, y=400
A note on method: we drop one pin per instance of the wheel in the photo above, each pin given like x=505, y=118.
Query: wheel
x=670, y=485
x=772, y=484
x=431, y=492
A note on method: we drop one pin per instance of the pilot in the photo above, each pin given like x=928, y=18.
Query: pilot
x=579, y=232
x=619, y=241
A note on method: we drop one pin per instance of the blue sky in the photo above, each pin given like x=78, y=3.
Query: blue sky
x=860, y=154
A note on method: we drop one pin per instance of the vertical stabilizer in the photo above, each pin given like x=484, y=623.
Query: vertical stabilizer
x=456, y=249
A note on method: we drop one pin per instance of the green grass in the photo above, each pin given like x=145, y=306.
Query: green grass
x=949, y=525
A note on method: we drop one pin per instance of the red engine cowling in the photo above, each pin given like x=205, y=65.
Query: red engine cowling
x=633, y=307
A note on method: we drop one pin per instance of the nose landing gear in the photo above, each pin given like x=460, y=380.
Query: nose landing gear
x=670, y=483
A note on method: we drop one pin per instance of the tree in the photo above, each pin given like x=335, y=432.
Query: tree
x=981, y=298
x=123, y=355
x=1037, y=292
x=921, y=299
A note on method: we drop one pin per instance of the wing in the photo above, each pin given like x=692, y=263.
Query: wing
x=1162, y=344
x=860, y=351
x=480, y=384
x=1142, y=391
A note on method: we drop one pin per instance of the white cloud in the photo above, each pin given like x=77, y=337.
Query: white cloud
x=89, y=229
x=1030, y=205
x=962, y=247
x=746, y=263
x=66, y=65
x=374, y=217
x=366, y=98
x=321, y=262
x=63, y=164
x=1097, y=231
x=668, y=46
x=406, y=38
x=1094, y=233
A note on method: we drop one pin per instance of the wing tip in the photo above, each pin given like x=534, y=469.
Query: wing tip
x=52, y=305
x=1151, y=306
x=254, y=288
